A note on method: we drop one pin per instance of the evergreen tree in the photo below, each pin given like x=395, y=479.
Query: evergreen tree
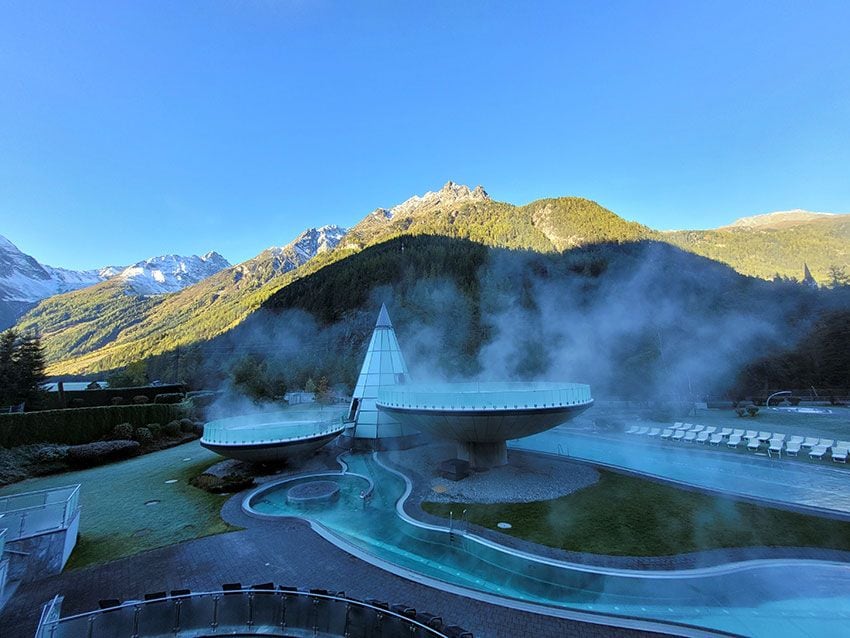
x=8, y=384
x=30, y=370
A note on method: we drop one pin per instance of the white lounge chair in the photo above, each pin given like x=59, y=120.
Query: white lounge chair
x=710, y=429
x=839, y=455
x=738, y=433
x=777, y=437
x=775, y=446
x=643, y=430
x=666, y=434
x=698, y=428
x=725, y=432
x=677, y=425
x=654, y=432
x=796, y=439
x=810, y=441
x=678, y=435
x=817, y=452
x=633, y=429
x=764, y=436
x=751, y=434
x=826, y=443
x=690, y=436
x=753, y=444
x=733, y=441
x=792, y=448
x=716, y=439
x=842, y=444
x=702, y=437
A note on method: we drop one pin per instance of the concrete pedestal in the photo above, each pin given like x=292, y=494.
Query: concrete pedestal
x=482, y=456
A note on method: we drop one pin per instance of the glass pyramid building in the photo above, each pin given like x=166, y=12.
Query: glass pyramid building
x=383, y=366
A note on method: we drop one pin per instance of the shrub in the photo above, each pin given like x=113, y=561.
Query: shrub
x=80, y=425
x=794, y=400
x=740, y=411
x=143, y=435
x=759, y=400
x=122, y=431
x=168, y=397
x=752, y=410
x=187, y=425
x=172, y=429
x=117, y=400
x=140, y=399
x=51, y=453
x=156, y=430
x=76, y=403
x=99, y=452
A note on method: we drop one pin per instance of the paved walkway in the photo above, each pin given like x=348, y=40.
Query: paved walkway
x=284, y=551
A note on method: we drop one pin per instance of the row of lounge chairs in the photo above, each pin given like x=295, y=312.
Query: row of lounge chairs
x=775, y=442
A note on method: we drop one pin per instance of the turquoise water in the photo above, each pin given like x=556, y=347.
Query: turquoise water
x=795, y=598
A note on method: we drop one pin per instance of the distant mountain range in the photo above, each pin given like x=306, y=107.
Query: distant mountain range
x=115, y=322
x=24, y=281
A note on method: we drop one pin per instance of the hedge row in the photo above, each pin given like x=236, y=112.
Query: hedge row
x=75, y=426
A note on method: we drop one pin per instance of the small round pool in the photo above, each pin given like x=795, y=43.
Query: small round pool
x=323, y=491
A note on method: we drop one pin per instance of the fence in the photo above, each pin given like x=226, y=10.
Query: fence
x=33, y=513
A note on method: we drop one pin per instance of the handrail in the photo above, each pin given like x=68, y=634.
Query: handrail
x=50, y=620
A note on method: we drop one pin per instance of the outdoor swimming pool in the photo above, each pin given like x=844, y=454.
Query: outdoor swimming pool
x=757, y=598
x=820, y=485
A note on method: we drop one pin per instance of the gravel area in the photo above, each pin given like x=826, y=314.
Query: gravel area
x=526, y=478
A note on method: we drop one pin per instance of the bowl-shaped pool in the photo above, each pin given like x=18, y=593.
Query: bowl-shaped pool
x=482, y=416
x=271, y=437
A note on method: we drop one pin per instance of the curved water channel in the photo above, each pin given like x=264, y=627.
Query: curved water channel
x=753, y=598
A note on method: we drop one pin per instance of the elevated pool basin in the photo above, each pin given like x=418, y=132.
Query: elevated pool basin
x=772, y=598
x=482, y=416
x=272, y=437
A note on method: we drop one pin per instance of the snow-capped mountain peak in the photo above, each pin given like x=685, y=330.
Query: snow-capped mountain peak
x=306, y=246
x=170, y=273
x=450, y=193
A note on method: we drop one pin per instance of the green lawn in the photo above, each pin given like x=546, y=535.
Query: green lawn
x=115, y=520
x=627, y=516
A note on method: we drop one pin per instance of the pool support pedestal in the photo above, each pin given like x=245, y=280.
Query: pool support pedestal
x=483, y=456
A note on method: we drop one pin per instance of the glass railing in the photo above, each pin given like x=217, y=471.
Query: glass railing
x=270, y=428
x=33, y=513
x=484, y=395
x=239, y=612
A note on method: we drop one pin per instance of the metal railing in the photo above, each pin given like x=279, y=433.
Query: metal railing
x=485, y=396
x=33, y=513
x=255, y=611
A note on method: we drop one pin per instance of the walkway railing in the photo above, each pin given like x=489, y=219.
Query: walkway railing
x=272, y=428
x=255, y=612
x=33, y=513
x=485, y=395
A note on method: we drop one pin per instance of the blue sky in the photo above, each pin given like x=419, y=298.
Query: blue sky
x=131, y=129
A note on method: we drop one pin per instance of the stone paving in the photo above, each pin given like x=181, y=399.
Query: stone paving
x=284, y=551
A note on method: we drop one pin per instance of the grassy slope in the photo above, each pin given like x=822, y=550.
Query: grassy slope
x=115, y=521
x=627, y=516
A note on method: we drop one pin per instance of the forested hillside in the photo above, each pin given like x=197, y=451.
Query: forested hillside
x=102, y=328
x=764, y=251
x=640, y=319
